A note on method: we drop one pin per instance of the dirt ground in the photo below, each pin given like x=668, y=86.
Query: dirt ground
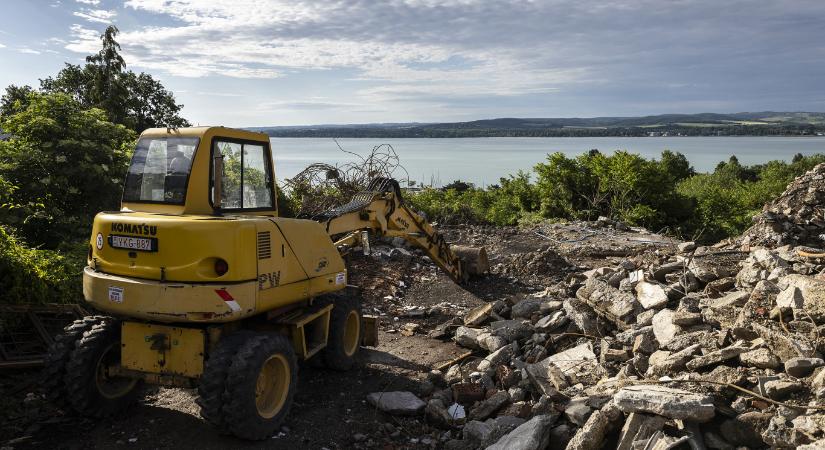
x=330, y=409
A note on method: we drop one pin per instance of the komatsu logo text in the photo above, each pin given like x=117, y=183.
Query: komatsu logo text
x=146, y=230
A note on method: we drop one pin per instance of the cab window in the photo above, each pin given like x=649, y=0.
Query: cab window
x=246, y=179
x=159, y=170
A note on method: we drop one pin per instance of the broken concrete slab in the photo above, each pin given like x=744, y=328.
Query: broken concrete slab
x=782, y=389
x=478, y=315
x=761, y=358
x=488, y=407
x=716, y=357
x=466, y=337
x=577, y=411
x=638, y=427
x=783, y=346
x=500, y=356
x=591, y=435
x=651, y=295
x=545, y=373
x=531, y=435
x=734, y=299
x=399, y=403
x=802, y=367
x=665, y=401
x=511, y=330
x=551, y=321
x=660, y=272
x=617, y=306
x=686, y=318
x=525, y=308
x=664, y=328
x=745, y=429
x=582, y=316
x=790, y=298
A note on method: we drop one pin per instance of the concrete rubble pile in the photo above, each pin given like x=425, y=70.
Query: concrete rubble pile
x=707, y=347
x=796, y=217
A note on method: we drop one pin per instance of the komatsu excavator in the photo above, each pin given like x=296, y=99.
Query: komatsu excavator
x=201, y=284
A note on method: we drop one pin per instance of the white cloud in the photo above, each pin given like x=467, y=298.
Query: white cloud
x=96, y=15
x=2, y=46
x=83, y=40
x=28, y=51
x=89, y=2
x=436, y=51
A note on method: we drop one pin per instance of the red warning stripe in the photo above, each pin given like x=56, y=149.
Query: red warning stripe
x=224, y=295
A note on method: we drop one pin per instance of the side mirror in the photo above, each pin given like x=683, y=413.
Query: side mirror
x=217, y=177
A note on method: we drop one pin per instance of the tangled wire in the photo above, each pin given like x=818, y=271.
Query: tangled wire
x=323, y=186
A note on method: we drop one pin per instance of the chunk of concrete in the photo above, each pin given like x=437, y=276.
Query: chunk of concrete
x=551, y=321
x=531, y=435
x=500, y=356
x=578, y=411
x=781, y=345
x=761, y=358
x=781, y=389
x=802, y=367
x=488, y=407
x=716, y=357
x=478, y=315
x=665, y=401
x=511, y=330
x=638, y=427
x=476, y=431
x=591, y=435
x=734, y=299
x=616, y=306
x=571, y=363
x=663, y=327
x=466, y=337
x=791, y=297
x=398, y=403
x=651, y=295
x=525, y=308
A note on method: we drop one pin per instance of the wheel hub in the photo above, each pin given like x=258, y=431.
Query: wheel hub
x=272, y=386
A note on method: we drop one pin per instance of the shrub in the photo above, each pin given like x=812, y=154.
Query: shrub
x=66, y=163
x=35, y=276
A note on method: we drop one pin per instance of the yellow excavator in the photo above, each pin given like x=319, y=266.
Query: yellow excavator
x=204, y=286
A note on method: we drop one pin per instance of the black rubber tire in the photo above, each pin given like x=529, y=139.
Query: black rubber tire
x=240, y=412
x=213, y=381
x=54, y=370
x=334, y=355
x=81, y=373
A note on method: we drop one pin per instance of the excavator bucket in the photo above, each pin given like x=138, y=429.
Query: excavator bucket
x=473, y=259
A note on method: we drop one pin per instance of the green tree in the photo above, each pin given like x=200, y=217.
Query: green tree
x=137, y=101
x=15, y=99
x=66, y=163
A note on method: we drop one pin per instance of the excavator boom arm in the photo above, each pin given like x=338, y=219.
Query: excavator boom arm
x=381, y=210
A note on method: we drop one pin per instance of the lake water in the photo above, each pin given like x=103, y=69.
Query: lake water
x=484, y=160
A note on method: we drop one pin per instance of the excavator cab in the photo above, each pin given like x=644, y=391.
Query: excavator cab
x=201, y=284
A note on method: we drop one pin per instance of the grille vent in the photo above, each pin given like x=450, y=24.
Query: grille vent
x=264, y=245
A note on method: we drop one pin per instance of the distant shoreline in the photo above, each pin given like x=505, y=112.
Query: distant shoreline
x=766, y=123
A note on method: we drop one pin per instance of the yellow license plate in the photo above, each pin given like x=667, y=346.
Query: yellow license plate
x=162, y=349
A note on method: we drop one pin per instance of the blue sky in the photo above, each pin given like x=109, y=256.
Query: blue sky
x=256, y=63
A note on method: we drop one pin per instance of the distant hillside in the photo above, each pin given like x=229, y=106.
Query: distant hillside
x=765, y=123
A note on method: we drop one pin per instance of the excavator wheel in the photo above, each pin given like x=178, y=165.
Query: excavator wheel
x=260, y=386
x=60, y=351
x=345, y=331
x=212, y=384
x=90, y=389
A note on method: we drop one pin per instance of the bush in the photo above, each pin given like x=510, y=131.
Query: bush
x=724, y=202
x=35, y=276
x=623, y=185
x=65, y=164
